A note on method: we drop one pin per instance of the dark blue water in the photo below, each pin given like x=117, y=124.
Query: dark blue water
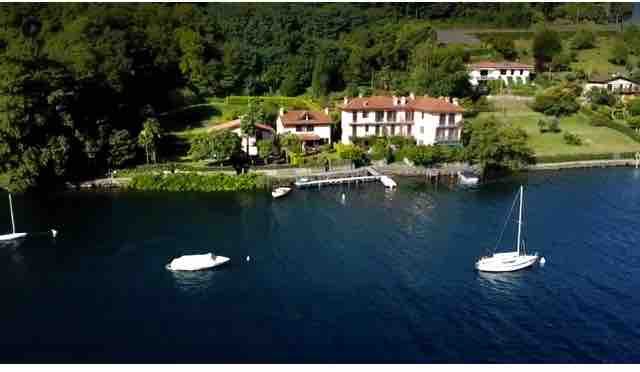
x=384, y=277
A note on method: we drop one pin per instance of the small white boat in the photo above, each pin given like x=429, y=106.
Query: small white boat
x=14, y=234
x=509, y=261
x=196, y=262
x=468, y=178
x=280, y=192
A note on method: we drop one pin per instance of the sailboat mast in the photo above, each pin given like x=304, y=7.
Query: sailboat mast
x=13, y=224
x=520, y=219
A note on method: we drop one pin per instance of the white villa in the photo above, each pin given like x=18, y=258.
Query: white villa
x=428, y=120
x=615, y=83
x=313, y=127
x=509, y=72
x=263, y=131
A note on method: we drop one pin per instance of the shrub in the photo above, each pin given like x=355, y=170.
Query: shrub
x=633, y=107
x=572, y=139
x=549, y=125
x=583, y=39
x=601, y=96
x=634, y=122
x=558, y=101
x=619, y=53
x=350, y=152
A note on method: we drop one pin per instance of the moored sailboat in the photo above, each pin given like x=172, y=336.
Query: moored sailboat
x=509, y=261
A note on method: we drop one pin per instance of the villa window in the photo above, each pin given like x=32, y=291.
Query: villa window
x=391, y=116
x=366, y=129
x=379, y=116
x=423, y=115
x=443, y=118
x=521, y=72
x=310, y=128
x=484, y=72
x=409, y=115
x=353, y=131
x=503, y=72
x=365, y=114
x=452, y=119
x=377, y=130
x=408, y=130
x=393, y=130
x=354, y=116
x=513, y=72
x=299, y=129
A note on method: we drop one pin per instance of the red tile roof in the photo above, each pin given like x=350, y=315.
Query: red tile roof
x=426, y=104
x=502, y=65
x=235, y=124
x=308, y=136
x=303, y=117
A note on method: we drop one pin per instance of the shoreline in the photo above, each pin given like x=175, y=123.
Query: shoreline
x=582, y=164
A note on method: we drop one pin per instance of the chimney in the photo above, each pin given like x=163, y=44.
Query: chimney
x=326, y=110
x=395, y=100
x=346, y=100
x=412, y=96
x=403, y=100
x=281, y=111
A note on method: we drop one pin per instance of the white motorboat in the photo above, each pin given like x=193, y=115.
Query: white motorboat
x=14, y=234
x=280, y=192
x=468, y=178
x=509, y=261
x=196, y=262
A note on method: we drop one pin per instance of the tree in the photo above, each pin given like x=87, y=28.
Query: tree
x=248, y=121
x=122, y=148
x=583, y=39
x=497, y=146
x=558, y=100
x=619, y=53
x=505, y=46
x=291, y=144
x=219, y=145
x=265, y=148
x=546, y=45
x=149, y=138
x=439, y=71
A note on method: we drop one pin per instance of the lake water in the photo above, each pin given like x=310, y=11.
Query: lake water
x=382, y=277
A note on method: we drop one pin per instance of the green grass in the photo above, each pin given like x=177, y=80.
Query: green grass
x=595, y=60
x=596, y=140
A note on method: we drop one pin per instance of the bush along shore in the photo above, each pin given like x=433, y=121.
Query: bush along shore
x=198, y=182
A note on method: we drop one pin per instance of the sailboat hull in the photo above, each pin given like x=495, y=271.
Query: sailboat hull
x=506, y=262
x=12, y=236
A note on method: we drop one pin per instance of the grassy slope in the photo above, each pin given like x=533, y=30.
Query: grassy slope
x=596, y=139
x=589, y=60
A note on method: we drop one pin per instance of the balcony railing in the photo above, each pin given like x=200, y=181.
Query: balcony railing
x=447, y=139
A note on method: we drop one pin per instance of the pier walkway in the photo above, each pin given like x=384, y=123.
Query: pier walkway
x=368, y=174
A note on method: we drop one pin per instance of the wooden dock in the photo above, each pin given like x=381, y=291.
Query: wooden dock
x=355, y=176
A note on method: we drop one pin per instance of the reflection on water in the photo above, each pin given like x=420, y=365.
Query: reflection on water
x=508, y=283
x=193, y=282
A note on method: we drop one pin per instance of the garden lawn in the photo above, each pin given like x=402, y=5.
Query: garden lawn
x=596, y=140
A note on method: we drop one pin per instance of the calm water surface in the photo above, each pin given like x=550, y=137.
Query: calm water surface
x=382, y=277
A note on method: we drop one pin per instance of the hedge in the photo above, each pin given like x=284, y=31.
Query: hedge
x=295, y=102
x=197, y=182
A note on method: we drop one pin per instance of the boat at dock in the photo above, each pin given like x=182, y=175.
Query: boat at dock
x=509, y=261
x=280, y=192
x=196, y=262
x=467, y=178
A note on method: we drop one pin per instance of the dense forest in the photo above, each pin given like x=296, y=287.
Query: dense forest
x=77, y=81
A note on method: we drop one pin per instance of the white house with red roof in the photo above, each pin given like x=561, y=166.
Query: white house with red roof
x=313, y=127
x=263, y=131
x=429, y=120
x=509, y=72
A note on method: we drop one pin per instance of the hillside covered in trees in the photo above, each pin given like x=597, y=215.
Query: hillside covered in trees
x=77, y=81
